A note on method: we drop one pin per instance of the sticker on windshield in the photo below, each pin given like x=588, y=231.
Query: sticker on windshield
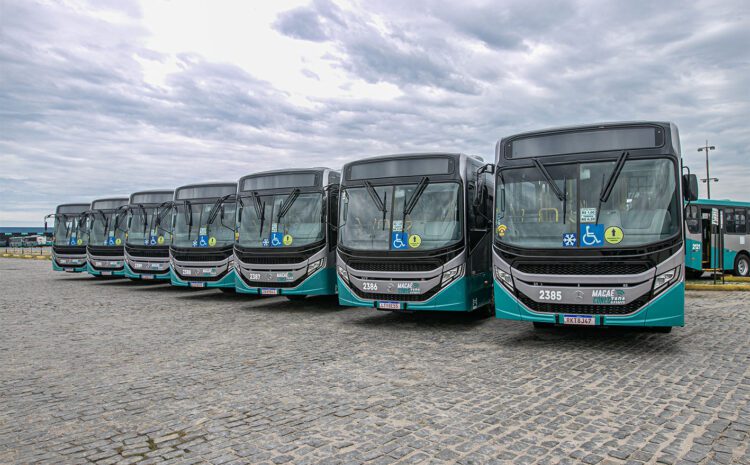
x=274, y=227
x=195, y=242
x=160, y=240
x=288, y=239
x=276, y=239
x=501, y=230
x=398, y=225
x=398, y=241
x=202, y=240
x=203, y=232
x=569, y=239
x=613, y=235
x=73, y=240
x=588, y=215
x=237, y=236
x=415, y=241
x=79, y=241
x=211, y=241
x=118, y=241
x=110, y=241
x=591, y=235
x=265, y=242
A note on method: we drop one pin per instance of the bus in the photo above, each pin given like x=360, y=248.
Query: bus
x=588, y=226
x=203, y=231
x=147, y=238
x=106, y=228
x=286, y=233
x=70, y=237
x=415, y=233
x=713, y=226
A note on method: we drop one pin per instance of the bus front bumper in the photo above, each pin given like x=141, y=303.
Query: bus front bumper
x=462, y=295
x=667, y=309
x=114, y=272
x=69, y=269
x=226, y=281
x=130, y=273
x=321, y=282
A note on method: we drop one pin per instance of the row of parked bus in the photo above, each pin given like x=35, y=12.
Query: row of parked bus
x=580, y=225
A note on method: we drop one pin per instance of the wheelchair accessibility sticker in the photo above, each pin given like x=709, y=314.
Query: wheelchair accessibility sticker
x=276, y=239
x=591, y=235
x=399, y=241
x=203, y=240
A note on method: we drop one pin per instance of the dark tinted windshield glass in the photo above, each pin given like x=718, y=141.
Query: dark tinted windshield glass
x=279, y=181
x=586, y=141
x=204, y=192
x=403, y=167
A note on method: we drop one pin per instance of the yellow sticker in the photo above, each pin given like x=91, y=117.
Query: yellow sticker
x=211, y=241
x=613, y=235
x=79, y=242
x=160, y=240
x=288, y=239
x=118, y=241
x=415, y=241
x=501, y=230
x=237, y=236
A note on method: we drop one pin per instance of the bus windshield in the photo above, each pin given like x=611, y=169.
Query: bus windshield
x=70, y=230
x=641, y=207
x=301, y=224
x=143, y=228
x=370, y=224
x=192, y=227
x=107, y=227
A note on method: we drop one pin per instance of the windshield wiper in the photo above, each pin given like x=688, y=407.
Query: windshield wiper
x=189, y=217
x=288, y=201
x=260, y=211
x=145, y=216
x=610, y=184
x=215, y=208
x=381, y=204
x=552, y=184
x=160, y=214
x=409, y=206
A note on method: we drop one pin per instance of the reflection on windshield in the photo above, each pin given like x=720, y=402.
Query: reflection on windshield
x=432, y=223
x=143, y=229
x=70, y=230
x=301, y=225
x=192, y=229
x=641, y=208
x=106, y=227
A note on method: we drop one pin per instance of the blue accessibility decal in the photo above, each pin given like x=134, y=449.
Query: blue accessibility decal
x=277, y=239
x=592, y=235
x=152, y=241
x=73, y=239
x=202, y=241
x=111, y=240
x=569, y=240
x=399, y=240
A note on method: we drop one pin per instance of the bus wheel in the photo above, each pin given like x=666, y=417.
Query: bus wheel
x=295, y=298
x=662, y=329
x=227, y=290
x=542, y=325
x=742, y=265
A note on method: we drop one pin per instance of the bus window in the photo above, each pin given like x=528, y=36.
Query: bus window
x=693, y=219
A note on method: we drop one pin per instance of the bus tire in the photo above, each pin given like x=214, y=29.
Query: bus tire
x=227, y=290
x=542, y=325
x=742, y=265
x=295, y=297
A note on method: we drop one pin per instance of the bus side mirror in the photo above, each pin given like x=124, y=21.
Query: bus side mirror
x=690, y=187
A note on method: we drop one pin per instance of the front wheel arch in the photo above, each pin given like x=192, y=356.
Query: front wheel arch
x=742, y=265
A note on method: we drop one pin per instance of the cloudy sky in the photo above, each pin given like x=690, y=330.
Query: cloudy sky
x=109, y=97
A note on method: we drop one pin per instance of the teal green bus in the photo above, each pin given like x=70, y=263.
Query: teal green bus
x=148, y=235
x=415, y=233
x=70, y=237
x=717, y=237
x=589, y=226
x=203, y=232
x=106, y=227
x=286, y=233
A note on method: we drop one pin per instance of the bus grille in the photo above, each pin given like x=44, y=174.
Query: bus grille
x=395, y=266
x=106, y=251
x=268, y=260
x=546, y=307
x=201, y=279
x=192, y=255
x=582, y=268
x=146, y=252
x=272, y=285
x=396, y=297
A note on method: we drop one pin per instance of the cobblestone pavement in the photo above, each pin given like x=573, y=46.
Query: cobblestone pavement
x=120, y=372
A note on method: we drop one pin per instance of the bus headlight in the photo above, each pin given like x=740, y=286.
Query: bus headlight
x=451, y=274
x=343, y=274
x=315, y=266
x=663, y=280
x=504, y=278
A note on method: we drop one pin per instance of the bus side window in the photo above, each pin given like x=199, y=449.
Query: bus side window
x=729, y=225
x=693, y=220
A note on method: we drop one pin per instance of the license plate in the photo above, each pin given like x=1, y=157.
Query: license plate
x=269, y=291
x=585, y=320
x=147, y=276
x=390, y=305
x=197, y=284
x=106, y=273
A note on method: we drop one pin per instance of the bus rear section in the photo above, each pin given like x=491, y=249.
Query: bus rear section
x=717, y=237
x=588, y=226
x=414, y=233
x=148, y=236
x=106, y=227
x=70, y=237
x=203, y=234
x=286, y=233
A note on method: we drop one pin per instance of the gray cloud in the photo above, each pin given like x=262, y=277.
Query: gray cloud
x=78, y=119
